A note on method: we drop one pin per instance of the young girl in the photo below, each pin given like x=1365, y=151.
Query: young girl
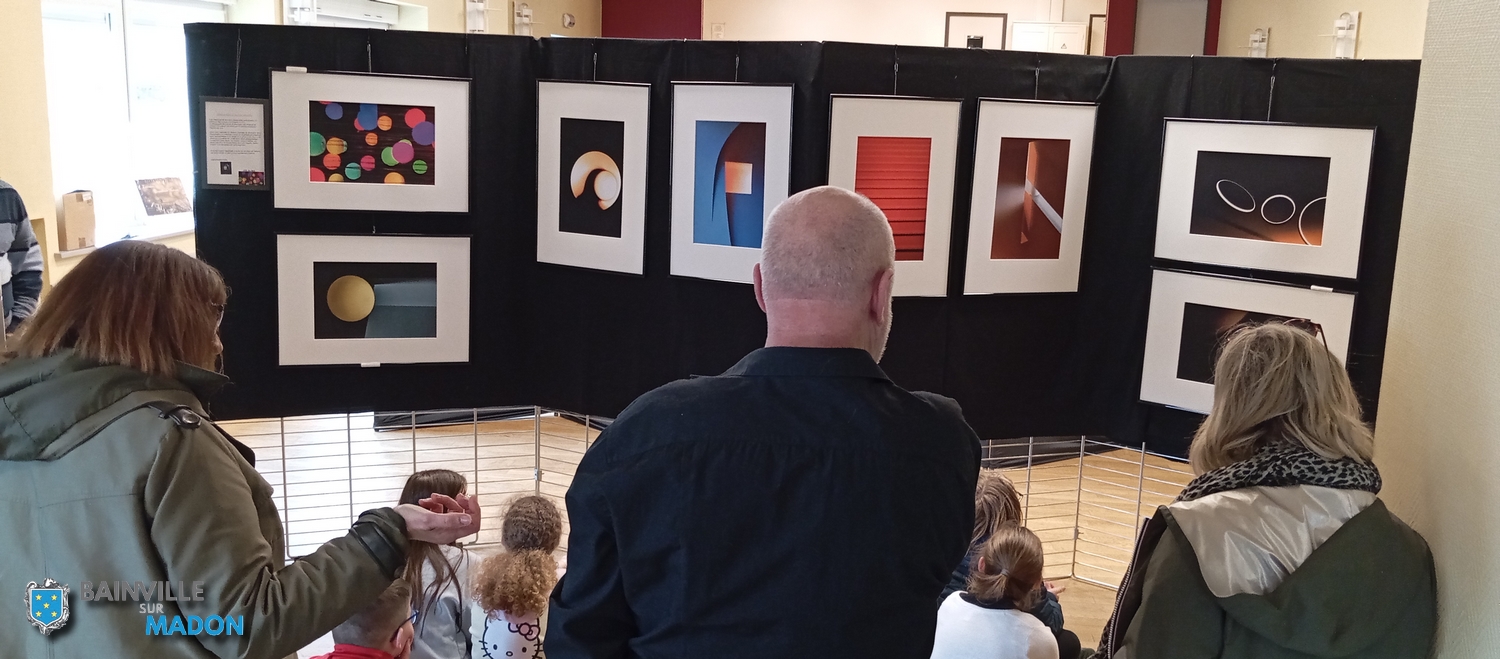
x=438, y=576
x=996, y=504
x=989, y=620
x=511, y=591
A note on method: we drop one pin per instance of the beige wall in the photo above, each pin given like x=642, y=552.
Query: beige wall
x=1438, y=435
x=26, y=159
x=872, y=21
x=1077, y=11
x=1389, y=29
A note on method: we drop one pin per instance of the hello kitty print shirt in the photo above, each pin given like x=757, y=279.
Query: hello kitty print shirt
x=500, y=635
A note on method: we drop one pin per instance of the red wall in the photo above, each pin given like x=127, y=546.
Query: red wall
x=1119, y=33
x=652, y=19
x=1211, y=30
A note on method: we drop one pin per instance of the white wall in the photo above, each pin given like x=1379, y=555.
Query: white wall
x=872, y=21
x=1170, y=27
x=1438, y=434
x=1389, y=29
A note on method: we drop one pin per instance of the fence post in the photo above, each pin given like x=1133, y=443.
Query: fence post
x=1140, y=491
x=1078, y=504
x=286, y=517
x=536, y=412
x=476, y=455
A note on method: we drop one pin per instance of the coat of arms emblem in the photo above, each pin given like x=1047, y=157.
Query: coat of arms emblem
x=47, y=605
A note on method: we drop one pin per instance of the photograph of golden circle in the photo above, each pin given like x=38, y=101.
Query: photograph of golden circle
x=351, y=298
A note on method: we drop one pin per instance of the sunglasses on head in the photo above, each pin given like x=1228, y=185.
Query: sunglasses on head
x=1303, y=324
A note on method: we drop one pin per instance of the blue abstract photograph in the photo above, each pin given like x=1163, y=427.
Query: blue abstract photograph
x=729, y=183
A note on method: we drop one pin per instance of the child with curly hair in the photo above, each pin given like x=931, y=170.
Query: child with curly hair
x=512, y=587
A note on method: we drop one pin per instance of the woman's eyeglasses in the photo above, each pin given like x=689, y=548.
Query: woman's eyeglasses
x=219, y=308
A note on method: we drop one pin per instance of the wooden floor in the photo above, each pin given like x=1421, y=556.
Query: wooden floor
x=1086, y=508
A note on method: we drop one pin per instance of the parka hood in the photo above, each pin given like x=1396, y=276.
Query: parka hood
x=1331, y=605
x=49, y=405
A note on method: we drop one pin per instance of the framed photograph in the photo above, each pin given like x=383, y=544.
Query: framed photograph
x=1030, y=198
x=236, y=143
x=900, y=153
x=1191, y=316
x=967, y=29
x=372, y=300
x=591, y=174
x=1268, y=196
x=345, y=141
x=731, y=165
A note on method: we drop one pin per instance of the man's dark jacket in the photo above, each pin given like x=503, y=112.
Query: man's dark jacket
x=799, y=505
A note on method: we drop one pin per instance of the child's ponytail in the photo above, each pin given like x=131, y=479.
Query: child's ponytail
x=1010, y=567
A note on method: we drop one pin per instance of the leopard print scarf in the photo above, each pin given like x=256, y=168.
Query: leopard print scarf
x=1281, y=464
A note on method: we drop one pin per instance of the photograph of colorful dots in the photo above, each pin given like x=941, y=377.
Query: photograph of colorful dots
x=370, y=143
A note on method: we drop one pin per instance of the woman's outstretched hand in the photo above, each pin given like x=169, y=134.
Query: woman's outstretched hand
x=441, y=519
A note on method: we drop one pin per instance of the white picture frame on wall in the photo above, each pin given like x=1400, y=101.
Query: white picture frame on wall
x=1190, y=315
x=591, y=174
x=313, y=172
x=900, y=152
x=731, y=166
x=1268, y=196
x=328, y=302
x=1030, y=196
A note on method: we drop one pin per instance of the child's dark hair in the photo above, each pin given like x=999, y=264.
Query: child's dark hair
x=374, y=625
x=519, y=580
x=419, y=486
x=1010, y=567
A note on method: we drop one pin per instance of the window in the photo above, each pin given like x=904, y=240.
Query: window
x=117, y=104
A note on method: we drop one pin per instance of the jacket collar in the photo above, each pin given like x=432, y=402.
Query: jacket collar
x=203, y=382
x=808, y=362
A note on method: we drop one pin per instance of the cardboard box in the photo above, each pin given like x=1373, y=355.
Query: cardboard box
x=75, y=230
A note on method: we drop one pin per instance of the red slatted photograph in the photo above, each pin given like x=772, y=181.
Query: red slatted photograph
x=892, y=172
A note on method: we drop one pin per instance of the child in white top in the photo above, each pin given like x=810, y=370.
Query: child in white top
x=508, y=618
x=989, y=620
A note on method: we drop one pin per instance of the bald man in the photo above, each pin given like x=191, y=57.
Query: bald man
x=800, y=504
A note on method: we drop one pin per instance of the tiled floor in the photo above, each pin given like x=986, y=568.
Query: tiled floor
x=1084, y=505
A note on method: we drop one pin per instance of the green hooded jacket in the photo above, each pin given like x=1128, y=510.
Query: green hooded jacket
x=1368, y=591
x=97, y=487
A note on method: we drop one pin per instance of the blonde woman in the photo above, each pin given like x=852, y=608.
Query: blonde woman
x=1279, y=547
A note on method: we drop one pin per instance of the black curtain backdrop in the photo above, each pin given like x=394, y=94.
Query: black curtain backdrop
x=591, y=341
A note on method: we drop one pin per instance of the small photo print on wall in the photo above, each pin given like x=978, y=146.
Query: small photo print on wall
x=1268, y=196
x=900, y=153
x=1031, y=179
x=370, y=143
x=401, y=141
x=593, y=137
x=729, y=183
x=372, y=299
x=1255, y=196
x=1030, y=198
x=1192, y=315
x=731, y=165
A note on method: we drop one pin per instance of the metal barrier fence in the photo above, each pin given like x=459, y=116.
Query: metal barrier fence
x=1085, y=498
